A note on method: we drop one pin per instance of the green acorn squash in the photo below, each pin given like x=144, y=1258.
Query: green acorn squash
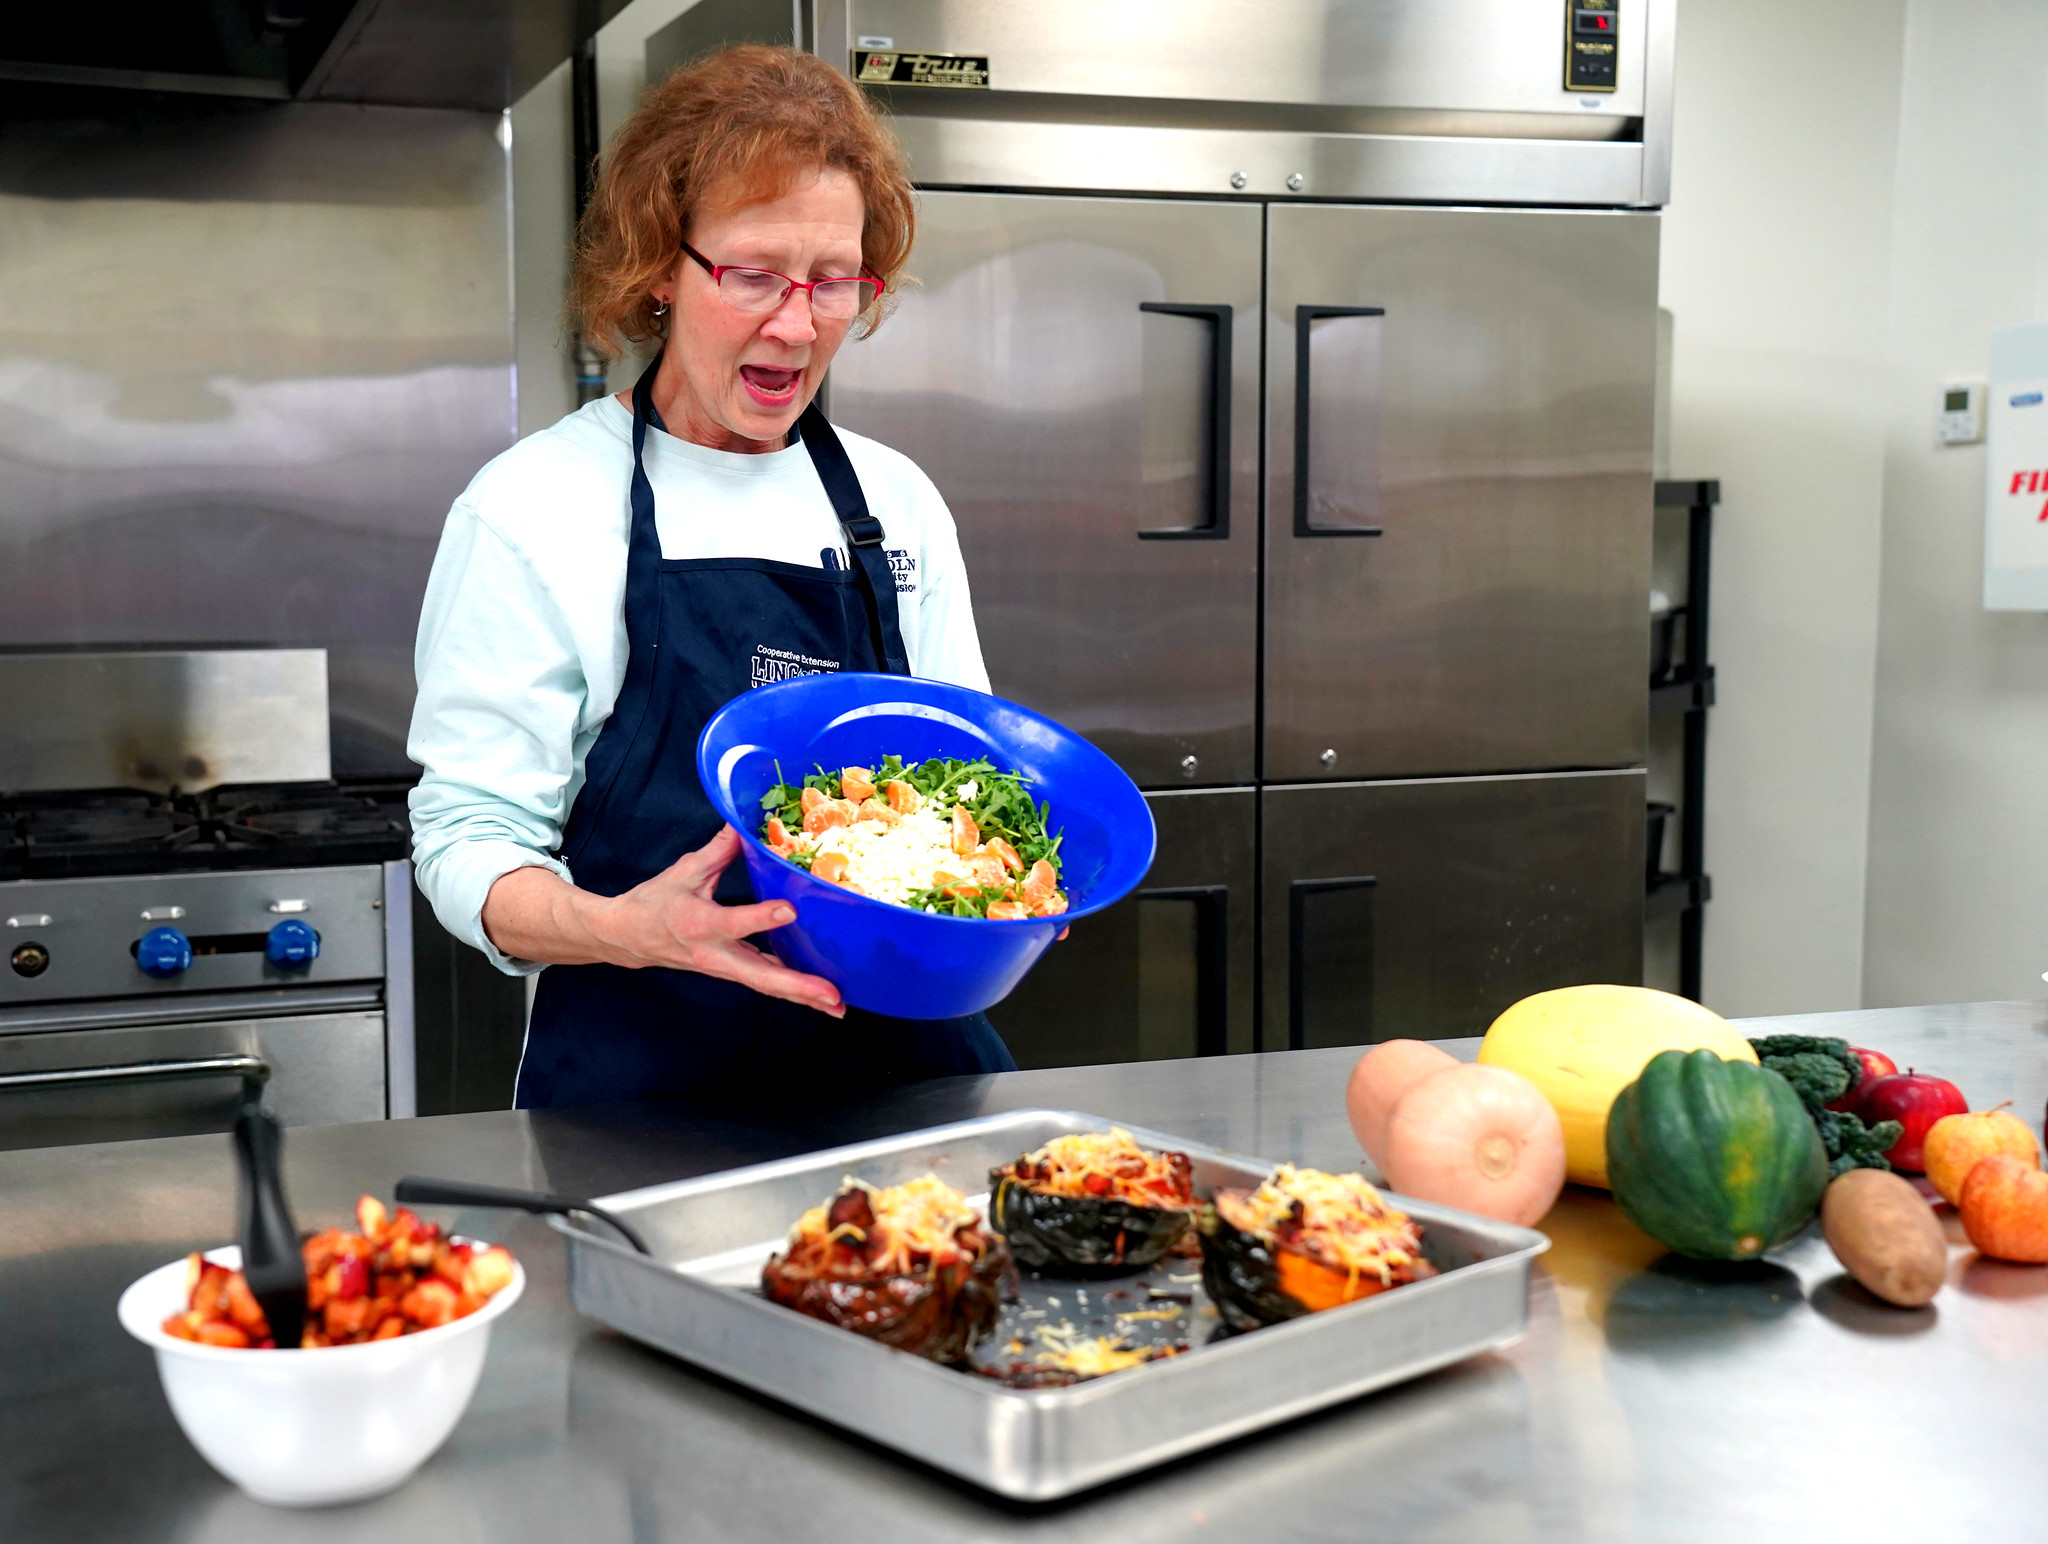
x=1715, y=1159
x=1081, y=1235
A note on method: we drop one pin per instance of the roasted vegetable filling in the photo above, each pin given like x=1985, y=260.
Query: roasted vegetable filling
x=1302, y=1242
x=1336, y=1220
x=904, y=1230
x=1107, y=1163
x=1092, y=1203
x=911, y=1266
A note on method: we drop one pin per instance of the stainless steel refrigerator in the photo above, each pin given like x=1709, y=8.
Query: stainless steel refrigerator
x=1288, y=370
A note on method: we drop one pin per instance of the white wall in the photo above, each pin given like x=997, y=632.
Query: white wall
x=1775, y=267
x=1958, y=895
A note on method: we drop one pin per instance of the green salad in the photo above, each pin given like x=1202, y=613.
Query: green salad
x=953, y=837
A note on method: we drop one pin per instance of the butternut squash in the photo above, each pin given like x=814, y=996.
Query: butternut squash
x=1382, y=1076
x=1483, y=1139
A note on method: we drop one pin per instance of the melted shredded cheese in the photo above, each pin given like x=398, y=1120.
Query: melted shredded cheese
x=920, y=1218
x=1114, y=1163
x=1337, y=1219
x=1095, y=1356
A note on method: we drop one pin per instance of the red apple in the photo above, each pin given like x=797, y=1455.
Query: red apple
x=1875, y=1065
x=1916, y=1100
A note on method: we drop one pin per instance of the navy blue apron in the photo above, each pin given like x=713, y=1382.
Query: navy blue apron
x=699, y=631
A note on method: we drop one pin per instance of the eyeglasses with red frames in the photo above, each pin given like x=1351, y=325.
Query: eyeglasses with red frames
x=762, y=289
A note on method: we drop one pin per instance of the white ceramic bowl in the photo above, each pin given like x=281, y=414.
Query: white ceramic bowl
x=313, y=1428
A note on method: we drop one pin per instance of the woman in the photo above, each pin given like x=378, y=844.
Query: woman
x=605, y=586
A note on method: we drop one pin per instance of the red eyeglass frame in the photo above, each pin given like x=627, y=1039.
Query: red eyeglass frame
x=865, y=276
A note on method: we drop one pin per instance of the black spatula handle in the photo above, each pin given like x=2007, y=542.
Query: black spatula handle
x=455, y=1192
x=271, y=1261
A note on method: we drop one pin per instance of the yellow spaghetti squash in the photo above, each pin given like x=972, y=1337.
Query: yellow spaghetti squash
x=1582, y=1045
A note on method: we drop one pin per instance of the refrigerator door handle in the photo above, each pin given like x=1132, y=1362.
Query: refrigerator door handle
x=1298, y=893
x=1217, y=526
x=1305, y=317
x=1212, y=961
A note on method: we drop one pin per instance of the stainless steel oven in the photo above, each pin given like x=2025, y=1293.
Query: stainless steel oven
x=156, y=1004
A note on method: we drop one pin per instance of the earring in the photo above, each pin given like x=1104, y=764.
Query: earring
x=661, y=308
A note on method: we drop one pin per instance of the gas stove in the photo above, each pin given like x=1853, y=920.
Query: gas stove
x=166, y=958
x=77, y=835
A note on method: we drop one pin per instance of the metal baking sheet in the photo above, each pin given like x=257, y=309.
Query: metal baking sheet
x=699, y=1299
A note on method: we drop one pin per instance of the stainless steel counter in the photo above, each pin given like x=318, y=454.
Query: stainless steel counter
x=1651, y=1400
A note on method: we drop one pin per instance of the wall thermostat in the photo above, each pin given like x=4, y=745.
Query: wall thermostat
x=1961, y=419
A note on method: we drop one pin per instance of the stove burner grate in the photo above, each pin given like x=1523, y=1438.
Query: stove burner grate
x=119, y=832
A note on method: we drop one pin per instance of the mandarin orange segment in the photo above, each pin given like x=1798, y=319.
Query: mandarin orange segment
x=966, y=834
x=826, y=814
x=1041, y=882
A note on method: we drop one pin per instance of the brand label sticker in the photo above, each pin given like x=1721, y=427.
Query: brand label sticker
x=896, y=67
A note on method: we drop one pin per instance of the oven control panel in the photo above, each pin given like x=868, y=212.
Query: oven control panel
x=1592, y=45
x=154, y=935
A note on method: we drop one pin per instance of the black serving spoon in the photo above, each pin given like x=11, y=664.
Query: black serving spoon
x=455, y=1192
x=271, y=1261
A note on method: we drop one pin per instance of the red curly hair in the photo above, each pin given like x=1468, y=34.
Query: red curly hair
x=739, y=125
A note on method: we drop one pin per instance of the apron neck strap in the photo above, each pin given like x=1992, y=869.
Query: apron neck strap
x=863, y=539
x=643, y=542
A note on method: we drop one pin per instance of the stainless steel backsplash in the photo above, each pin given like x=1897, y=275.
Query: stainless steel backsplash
x=249, y=354
x=162, y=719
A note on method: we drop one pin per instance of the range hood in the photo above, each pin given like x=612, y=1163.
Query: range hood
x=479, y=54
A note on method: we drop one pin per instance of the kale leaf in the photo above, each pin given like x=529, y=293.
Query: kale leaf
x=1853, y=1145
x=1821, y=1069
x=1816, y=1078
x=1788, y=1056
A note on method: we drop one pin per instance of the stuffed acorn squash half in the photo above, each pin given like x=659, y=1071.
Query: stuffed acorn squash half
x=1092, y=1204
x=1302, y=1242
x=911, y=1266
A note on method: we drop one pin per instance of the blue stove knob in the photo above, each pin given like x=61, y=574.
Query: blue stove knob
x=163, y=952
x=292, y=943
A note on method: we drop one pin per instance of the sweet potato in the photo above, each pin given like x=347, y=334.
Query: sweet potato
x=1884, y=1233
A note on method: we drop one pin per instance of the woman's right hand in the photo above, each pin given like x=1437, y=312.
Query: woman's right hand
x=671, y=920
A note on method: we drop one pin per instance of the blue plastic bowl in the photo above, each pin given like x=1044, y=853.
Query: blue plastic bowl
x=890, y=959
